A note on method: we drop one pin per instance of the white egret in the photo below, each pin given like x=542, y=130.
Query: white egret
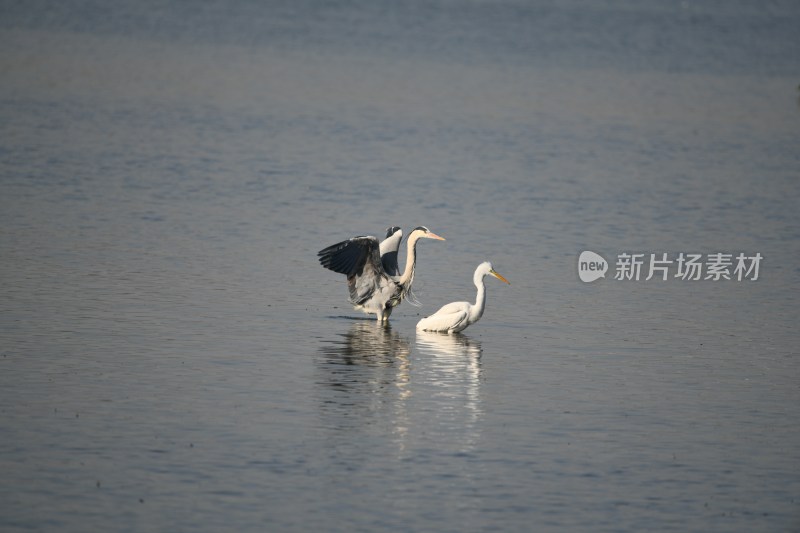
x=372, y=289
x=456, y=316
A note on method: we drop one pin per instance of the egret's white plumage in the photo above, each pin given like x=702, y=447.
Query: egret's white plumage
x=456, y=316
x=371, y=288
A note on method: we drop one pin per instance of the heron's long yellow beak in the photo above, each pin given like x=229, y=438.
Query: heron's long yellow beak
x=432, y=235
x=498, y=276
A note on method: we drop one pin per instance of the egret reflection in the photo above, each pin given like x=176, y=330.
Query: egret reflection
x=453, y=345
x=448, y=369
x=451, y=363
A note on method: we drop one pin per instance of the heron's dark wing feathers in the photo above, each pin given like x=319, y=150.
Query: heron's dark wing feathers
x=363, y=287
x=360, y=260
x=348, y=257
x=389, y=261
x=372, y=282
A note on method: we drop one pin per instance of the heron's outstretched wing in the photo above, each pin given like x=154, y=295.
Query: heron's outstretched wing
x=359, y=259
x=371, y=283
x=348, y=257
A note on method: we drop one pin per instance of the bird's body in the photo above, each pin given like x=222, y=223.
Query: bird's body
x=456, y=316
x=372, y=289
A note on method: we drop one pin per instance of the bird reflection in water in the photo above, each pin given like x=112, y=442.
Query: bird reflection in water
x=368, y=344
x=453, y=345
x=362, y=375
x=374, y=385
x=454, y=362
x=449, y=372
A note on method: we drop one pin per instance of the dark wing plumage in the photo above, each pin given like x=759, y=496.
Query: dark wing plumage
x=389, y=261
x=359, y=259
x=348, y=257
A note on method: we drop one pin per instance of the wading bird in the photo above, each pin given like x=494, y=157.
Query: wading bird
x=372, y=289
x=456, y=316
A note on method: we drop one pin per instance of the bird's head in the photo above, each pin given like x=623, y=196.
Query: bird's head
x=486, y=269
x=424, y=233
x=394, y=229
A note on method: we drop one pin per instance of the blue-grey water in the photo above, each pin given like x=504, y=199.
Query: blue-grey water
x=173, y=357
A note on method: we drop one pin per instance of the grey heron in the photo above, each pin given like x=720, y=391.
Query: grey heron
x=456, y=316
x=372, y=289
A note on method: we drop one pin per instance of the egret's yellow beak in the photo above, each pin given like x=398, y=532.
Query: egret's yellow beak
x=432, y=235
x=498, y=276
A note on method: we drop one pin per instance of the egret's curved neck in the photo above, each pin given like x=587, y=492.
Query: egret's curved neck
x=411, y=260
x=476, y=311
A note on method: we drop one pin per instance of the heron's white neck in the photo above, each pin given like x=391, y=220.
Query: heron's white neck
x=407, y=278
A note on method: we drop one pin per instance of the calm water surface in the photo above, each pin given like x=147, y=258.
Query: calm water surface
x=173, y=357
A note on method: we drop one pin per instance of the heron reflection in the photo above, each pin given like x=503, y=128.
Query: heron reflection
x=360, y=371
x=363, y=384
x=367, y=345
